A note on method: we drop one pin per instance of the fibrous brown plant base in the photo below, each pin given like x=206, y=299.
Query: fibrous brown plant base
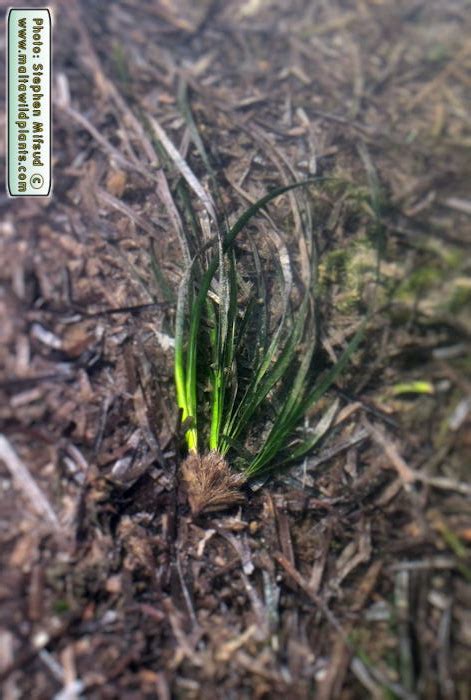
x=210, y=483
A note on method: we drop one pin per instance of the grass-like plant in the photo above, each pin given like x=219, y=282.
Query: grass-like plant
x=247, y=373
x=244, y=376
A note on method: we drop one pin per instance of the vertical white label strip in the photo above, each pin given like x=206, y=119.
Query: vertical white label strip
x=29, y=102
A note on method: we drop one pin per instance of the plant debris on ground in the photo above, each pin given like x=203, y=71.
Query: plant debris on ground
x=347, y=575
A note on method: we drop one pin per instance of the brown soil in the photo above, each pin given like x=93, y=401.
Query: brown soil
x=346, y=577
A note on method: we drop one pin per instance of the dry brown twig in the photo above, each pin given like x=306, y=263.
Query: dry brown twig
x=26, y=484
x=406, y=473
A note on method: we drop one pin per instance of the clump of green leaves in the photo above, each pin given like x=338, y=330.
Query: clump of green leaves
x=238, y=379
x=247, y=370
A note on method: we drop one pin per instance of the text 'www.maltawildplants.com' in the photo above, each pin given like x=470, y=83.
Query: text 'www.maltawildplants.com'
x=29, y=102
